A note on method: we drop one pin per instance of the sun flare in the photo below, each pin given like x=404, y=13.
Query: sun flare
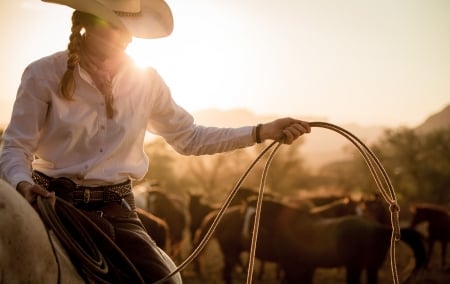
x=192, y=68
x=141, y=53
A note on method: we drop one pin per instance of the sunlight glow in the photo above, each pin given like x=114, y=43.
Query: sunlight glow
x=199, y=75
x=155, y=53
x=140, y=53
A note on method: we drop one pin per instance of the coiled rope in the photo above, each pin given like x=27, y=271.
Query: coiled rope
x=96, y=256
x=384, y=186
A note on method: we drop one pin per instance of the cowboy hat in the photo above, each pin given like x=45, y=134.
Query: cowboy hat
x=141, y=18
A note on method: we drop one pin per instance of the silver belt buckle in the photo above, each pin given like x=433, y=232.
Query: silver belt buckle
x=86, y=195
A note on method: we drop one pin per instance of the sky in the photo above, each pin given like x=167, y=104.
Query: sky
x=371, y=62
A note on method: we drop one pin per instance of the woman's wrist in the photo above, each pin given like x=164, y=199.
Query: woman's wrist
x=256, y=133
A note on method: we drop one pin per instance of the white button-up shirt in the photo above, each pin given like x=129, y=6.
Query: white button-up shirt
x=75, y=138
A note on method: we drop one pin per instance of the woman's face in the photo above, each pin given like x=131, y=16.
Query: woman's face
x=104, y=40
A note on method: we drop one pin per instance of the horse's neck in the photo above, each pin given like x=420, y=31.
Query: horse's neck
x=203, y=210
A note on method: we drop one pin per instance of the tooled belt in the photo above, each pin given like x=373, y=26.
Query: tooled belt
x=75, y=193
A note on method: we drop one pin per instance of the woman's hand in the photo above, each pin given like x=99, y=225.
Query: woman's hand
x=287, y=129
x=31, y=191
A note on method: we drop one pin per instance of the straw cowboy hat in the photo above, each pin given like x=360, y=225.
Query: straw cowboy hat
x=141, y=18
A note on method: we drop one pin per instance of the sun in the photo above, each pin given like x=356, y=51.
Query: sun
x=141, y=52
x=197, y=71
x=147, y=52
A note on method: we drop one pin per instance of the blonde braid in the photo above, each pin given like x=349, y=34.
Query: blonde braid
x=67, y=84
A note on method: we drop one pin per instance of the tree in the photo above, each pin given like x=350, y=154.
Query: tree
x=287, y=172
x=418, y=165
x=162, y=164
x=216, y=175
x=435, y=167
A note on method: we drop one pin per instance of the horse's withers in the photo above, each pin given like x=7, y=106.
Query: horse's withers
x=26, y=253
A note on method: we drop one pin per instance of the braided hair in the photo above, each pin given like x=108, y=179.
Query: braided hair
x=79, y=21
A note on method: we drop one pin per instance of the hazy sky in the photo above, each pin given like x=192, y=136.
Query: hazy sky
x=371, y=62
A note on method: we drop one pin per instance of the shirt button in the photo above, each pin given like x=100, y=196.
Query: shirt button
x=102, y=127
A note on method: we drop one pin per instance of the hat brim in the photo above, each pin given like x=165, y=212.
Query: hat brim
x=154, y=21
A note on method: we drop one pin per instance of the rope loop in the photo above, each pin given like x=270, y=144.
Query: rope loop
x=383, y=183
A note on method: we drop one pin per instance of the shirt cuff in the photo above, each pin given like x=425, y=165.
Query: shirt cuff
x=14, y=180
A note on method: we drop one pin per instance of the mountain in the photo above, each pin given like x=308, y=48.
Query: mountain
x=320, y=147
x=323, y=146
x=435, y=121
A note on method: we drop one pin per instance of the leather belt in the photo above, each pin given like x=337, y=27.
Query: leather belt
x=74, y=193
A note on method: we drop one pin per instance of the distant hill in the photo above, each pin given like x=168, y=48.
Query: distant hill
x=322, y=146
x=236, y=117
x=435, y=121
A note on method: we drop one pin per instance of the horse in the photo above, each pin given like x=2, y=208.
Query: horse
x=375, y=208
x=438, y=219
x=167, y=207
x=300, y=241
x=199, y=210
x=156, y=227
x=29, y=253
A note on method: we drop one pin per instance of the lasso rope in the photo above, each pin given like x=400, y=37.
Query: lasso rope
x=218, y=217
x=375, y=168
x=262, y=184
x=388, y=193
x=96, y=265
x=384, y=186
x=88, y=252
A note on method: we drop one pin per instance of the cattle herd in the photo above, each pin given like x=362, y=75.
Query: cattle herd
x=299, y=238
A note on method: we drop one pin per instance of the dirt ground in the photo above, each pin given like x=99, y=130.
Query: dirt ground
x=212, y=259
